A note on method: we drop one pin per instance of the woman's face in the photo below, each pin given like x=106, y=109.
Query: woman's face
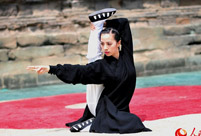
x=109, y=45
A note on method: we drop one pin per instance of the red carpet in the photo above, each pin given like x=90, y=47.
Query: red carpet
x=148, y=103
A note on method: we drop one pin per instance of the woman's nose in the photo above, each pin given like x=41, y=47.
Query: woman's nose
x=105, y=47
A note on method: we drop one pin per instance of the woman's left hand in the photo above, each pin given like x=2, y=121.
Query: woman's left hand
x=92, y=26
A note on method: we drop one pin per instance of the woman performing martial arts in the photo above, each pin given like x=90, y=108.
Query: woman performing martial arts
x=110, y=80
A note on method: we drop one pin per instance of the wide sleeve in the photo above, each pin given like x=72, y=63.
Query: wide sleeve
x=123, y=27
x=93, y=73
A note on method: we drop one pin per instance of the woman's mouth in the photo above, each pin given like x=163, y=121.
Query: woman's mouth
x=107, y=52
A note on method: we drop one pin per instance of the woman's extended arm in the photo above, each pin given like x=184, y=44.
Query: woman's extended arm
x=92, y=73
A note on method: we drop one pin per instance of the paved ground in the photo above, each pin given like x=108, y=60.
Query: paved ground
x=160, y=127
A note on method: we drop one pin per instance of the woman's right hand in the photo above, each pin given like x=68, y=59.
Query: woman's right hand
x=39, y=69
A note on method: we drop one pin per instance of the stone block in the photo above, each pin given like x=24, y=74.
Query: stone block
x=36, y=52
x=77, y=50
x=84, y=36
x=54, y=60
x=165, y=71
x=196, y=40
x=8, y=10
x=181, y=40
x=101, y=4
x=190, y=2
x=11, y=67
x=31, y=39
x=193, y=61
x=83, y=60
x=191, y=40
x=3, y=27
x=197, y=29
x=3, y=54
x=195, y=50
x=182, y=20
x=140, y=57
x=148, y=38
x=165, y=64
x=20, y=80
x=48, y=79
x=8, y=41
x=151, y=3
x=170, y=3
x=129, y=4
x=157, y=54
x=25, y=9
x=177, y=30
x=50, y=9
x=62, y=38
x=139, y=67
x=1, y=84
x=115, y=4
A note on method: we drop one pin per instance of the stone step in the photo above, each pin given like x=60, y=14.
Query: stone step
x=69, y=17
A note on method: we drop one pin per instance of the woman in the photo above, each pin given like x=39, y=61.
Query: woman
x=116, y=71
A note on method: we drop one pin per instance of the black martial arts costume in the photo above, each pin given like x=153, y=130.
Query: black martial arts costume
x=119, y=79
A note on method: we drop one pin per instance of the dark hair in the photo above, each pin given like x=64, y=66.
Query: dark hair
x=112, y=31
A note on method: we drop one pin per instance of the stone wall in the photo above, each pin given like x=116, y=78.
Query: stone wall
x=41, y=32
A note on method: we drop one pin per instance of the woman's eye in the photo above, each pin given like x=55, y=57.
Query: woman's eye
x=109, y=44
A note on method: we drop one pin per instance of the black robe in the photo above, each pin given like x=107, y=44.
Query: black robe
x=119, y=79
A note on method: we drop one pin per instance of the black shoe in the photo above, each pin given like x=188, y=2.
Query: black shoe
x=78, y=127
x=102, y=14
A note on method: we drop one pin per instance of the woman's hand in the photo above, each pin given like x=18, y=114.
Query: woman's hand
x=39, y=69
x=92, y=26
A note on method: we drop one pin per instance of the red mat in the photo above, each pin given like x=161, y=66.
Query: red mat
x=50, y=112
